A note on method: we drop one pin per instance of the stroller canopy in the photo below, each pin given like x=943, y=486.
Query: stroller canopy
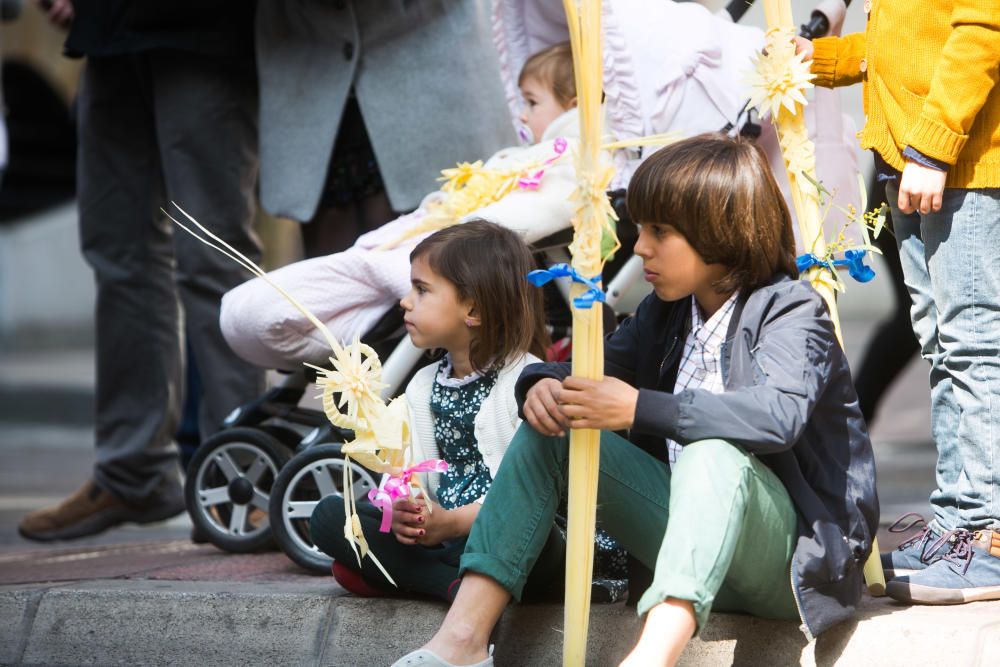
x=675, y=67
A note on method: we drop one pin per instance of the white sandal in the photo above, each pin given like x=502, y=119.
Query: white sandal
x=423, y=657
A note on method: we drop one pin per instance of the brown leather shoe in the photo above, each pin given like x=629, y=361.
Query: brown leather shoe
x=92, y=510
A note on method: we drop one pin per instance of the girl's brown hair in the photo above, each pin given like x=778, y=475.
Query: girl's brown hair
x=719, y=192
x=487, y=264
x=553, y=67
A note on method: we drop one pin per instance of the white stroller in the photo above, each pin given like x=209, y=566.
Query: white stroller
x=677, y=67
x=668, y=67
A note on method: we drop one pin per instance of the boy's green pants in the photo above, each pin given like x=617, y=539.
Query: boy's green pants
x=719, y=530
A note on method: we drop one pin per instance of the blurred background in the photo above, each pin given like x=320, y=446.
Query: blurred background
x=47, y=296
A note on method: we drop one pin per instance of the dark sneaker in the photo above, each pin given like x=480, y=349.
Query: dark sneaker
x=969, y=572
x=915, y=553
x=92, y=510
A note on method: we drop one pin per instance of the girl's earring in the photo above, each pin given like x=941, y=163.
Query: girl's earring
x=469, y=322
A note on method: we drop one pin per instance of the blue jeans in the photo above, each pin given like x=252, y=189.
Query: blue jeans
x=951, y=266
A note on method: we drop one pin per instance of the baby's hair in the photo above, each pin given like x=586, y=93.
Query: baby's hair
x=719, y=192
x=553, y=67
x=487, y=264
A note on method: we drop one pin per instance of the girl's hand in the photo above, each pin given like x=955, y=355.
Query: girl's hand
x=409, y=521
x=414, y=523
x=607, y=404
x=921, y=188
x=542, y=407
x=804, y=46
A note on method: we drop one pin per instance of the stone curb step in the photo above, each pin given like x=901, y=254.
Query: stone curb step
x=146, y=622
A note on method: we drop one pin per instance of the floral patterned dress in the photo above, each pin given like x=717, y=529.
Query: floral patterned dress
x=455, y=402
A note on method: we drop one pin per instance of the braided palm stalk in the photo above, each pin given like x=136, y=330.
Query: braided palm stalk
x=779, y=86
x=381, y=431
x=593, y=216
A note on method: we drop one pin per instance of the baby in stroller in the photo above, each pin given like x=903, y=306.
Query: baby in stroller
x=668, y=67
x=351, y=290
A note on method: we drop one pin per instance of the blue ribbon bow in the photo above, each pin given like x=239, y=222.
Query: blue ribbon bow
x=853, y=260
x=585, y=300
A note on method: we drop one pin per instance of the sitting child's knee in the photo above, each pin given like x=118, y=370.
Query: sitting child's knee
x=710, y=456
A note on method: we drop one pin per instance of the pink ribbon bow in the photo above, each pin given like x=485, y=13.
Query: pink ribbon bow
x=395, y=487
x=533, y=181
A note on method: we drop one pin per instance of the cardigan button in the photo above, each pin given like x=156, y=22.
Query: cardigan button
x=863, y=66
x=868, y=6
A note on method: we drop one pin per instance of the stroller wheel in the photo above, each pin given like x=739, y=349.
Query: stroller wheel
x=310, y=476
x=228, y=488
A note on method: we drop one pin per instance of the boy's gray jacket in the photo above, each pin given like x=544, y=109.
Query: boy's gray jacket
x=789, y=400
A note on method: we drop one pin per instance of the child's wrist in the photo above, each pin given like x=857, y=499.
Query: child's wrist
x=444, y=523
x=447, y=522
x=459, y=524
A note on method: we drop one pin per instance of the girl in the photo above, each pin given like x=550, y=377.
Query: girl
x=467, y=298
x=350, y=291
x=749, y=481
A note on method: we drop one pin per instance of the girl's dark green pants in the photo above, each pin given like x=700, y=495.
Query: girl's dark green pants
x=417, y=569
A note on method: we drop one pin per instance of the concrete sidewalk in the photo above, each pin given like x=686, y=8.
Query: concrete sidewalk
x=157, y=622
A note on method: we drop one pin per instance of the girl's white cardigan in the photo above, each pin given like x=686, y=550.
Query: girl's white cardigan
x=495, y=423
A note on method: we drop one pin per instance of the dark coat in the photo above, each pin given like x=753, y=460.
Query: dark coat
x=218, y=28
x=789, y=400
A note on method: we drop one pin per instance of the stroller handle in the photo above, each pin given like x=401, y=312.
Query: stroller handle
x=817, y=26
x=737, y=8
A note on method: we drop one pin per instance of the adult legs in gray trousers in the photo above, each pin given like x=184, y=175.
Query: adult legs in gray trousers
x=154, y=128
x=158, y=127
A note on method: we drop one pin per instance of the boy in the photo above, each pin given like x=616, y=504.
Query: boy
x=932, y=104
x=733, y=367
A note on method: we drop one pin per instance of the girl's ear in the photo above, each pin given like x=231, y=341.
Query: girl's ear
x=571, y=105
x=472, y=318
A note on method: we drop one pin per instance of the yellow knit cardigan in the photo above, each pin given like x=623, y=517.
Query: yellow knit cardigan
x=930, y=71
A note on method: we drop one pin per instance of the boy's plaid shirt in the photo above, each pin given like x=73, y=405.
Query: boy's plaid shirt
x=701, y=364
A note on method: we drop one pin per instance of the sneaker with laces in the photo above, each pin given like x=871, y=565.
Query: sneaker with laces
x=969, y=572
x=92, y=510
x=915, y=553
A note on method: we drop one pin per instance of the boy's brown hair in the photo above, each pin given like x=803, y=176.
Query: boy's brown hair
x=553, y=67
x=488, y=265
x=719, y=192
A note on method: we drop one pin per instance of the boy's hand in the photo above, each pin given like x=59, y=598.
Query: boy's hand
x=921, y=188
x=803, y=46
x=542, y=410
x=607, y=404
x=412, y=523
